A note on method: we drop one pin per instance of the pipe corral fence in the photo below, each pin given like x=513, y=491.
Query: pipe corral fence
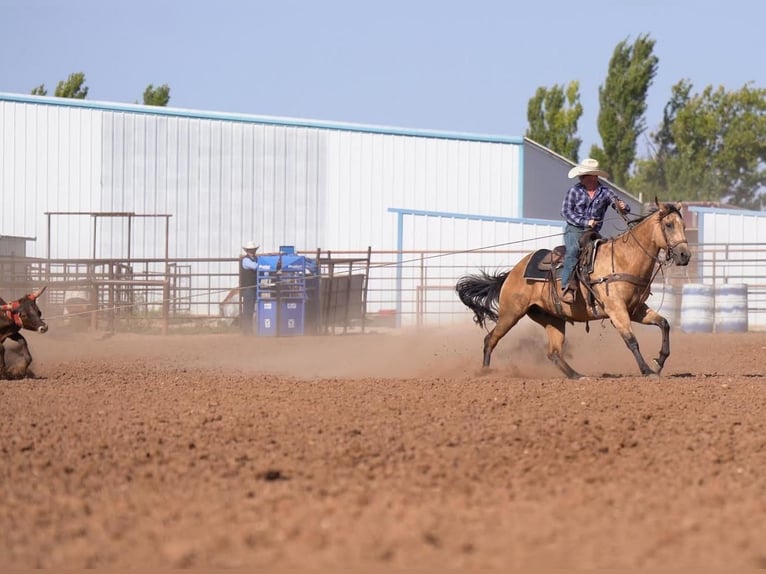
x=360, y=289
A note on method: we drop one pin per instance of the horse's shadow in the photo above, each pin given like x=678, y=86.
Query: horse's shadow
x=19, y=375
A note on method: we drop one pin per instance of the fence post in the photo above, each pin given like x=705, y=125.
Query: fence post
x=165, y=306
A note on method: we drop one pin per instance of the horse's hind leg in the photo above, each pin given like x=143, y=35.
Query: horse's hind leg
x=647, y=316
x=505, y=323
x=555, y=328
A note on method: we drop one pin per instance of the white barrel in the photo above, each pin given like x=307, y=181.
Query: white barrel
x=665, y=300
x=731, y=308
x=697, y=308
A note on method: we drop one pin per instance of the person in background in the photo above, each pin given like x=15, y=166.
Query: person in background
x=248, y=279
x=583, y=209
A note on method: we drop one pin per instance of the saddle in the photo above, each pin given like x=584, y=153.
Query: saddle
x=551, y=259
x=547, y=263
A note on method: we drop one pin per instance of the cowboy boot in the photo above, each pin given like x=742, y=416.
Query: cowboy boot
x=568, y=293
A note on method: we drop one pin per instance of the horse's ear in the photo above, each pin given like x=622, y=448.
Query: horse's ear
x=679, y=207
x=656, y=202
x=37, y=293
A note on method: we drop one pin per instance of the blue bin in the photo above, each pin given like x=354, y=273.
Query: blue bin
x=268, y=314
x=281, y=293
x=291, y=317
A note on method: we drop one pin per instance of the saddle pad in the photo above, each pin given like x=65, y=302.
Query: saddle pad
x=531, y=271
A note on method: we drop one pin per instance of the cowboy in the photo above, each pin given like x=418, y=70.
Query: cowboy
x=248, y=279
x=584, y=207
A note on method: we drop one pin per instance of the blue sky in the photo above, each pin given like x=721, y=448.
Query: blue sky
x=430, y=64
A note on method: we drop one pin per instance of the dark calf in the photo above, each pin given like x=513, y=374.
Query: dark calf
x=15, y=316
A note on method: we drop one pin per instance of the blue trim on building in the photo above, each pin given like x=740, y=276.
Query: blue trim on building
x=254, y=119
x=399, y=265
x=498, y=219
x=520, y=207
x=726, y=211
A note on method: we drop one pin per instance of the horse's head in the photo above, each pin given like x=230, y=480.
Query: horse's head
x=672, y=230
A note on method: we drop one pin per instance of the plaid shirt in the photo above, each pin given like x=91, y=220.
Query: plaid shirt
x=577, y=208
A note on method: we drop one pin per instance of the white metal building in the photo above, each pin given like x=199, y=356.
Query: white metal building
x=223, y=179
x=226, y=178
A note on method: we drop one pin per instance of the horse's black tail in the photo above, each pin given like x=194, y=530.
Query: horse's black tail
x=481, y=293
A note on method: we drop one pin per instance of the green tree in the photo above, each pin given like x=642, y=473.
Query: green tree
x=159, y=96
x=73, y=87
x=622, y=101
x=710, y=147
x=650, y=175
x=553, y=115
x=39, y=90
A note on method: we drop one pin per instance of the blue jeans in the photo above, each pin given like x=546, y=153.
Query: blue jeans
x=572, y=235
x=248, y=308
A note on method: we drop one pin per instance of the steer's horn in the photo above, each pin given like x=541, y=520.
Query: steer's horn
x=36, y=294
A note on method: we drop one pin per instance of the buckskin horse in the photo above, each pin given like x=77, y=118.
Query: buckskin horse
x=614, y=278
x=15, y=316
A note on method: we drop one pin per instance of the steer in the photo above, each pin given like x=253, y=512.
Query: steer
x=15, y=316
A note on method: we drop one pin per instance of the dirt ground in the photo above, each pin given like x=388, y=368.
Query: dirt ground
x=387, y=449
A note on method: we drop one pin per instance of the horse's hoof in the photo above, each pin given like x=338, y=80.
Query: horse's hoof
x=658, y=367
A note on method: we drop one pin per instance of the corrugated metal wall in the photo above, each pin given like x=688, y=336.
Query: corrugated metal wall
x=225, y=181
x=370, y=173
x=735, y=252
x=50, y=160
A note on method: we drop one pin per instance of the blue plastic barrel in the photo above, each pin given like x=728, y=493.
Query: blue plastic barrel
x=731, y=308
x=697, y=308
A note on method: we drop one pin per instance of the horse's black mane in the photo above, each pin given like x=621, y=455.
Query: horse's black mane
x=667, y=208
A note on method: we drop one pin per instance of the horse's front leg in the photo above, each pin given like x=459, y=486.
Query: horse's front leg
x=621, y=321
x=647, y=316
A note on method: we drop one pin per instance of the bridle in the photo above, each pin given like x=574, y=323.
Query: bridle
x=668, y=246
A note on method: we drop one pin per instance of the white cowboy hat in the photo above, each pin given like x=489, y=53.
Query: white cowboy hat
x=588, y=166
x=249, y=246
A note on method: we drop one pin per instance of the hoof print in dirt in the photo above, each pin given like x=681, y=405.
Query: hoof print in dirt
x=272, y=475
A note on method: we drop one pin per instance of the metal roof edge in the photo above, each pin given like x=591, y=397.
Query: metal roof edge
x=256, y=119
